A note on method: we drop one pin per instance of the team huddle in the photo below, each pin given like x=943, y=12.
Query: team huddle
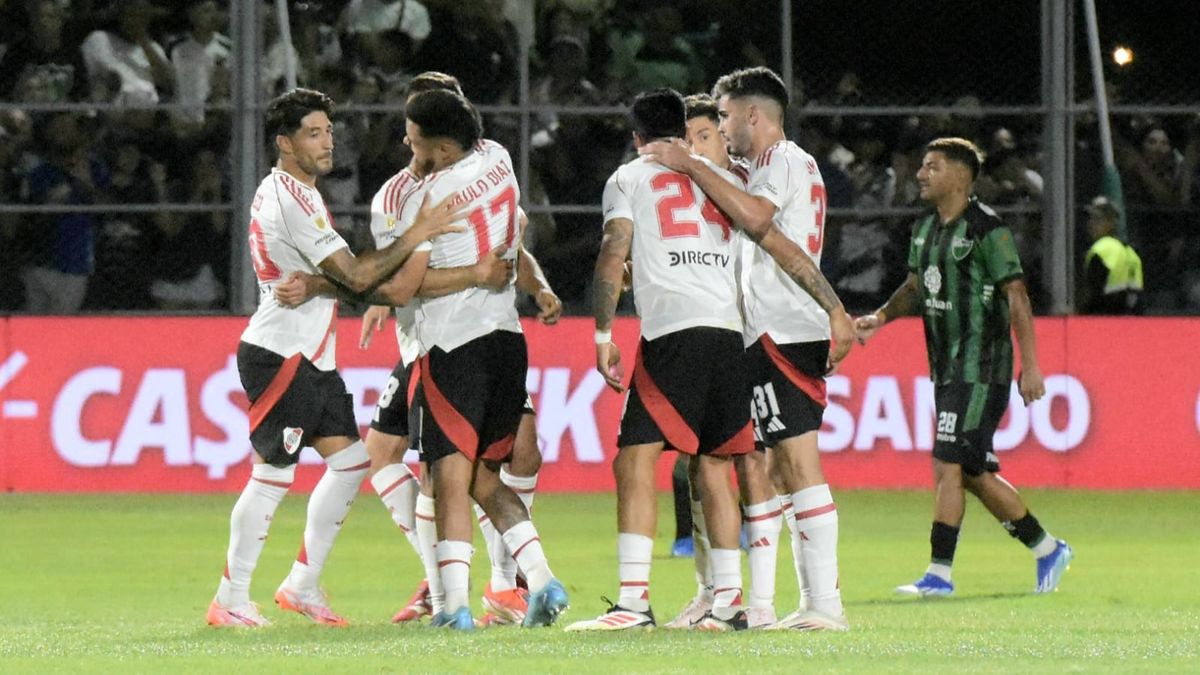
x=719, y=224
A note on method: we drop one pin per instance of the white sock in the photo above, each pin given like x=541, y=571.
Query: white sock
x=523, y=540
x=817, y=521
x=248, y=525
x=727, y=582
x=1045, y=546
x=504, y=567
x=427, y=538
x=454, y=567
x=633, y=567
x=789, y=519
x=524, y=486
x=939, y=570
x=764, y=522
x=397, y=488
x=327, y=508
x=704, y=583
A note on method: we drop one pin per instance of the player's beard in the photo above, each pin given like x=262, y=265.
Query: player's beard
x=316, y=167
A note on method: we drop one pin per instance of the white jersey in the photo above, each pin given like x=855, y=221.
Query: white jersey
x=386, y=228
x=773, y=302
x=483, y=179
x=291, y=230
x=683, y=249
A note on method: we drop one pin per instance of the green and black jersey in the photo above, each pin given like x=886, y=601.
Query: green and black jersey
x=961, y=267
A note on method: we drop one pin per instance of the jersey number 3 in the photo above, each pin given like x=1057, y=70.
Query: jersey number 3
x=684, y=197
x=817, y=197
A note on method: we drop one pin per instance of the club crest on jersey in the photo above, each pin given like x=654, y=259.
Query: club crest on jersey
x=291, y=439
x=960, y=247
x=933, y=279
x=391, y=222
x=321, y=223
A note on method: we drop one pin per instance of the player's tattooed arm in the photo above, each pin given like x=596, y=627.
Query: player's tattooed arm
x=794, y=261
x=364, y=273
x=1029, y=382
x=606, y=285
x=800, y=267
x=904, y=301
x=610, y=268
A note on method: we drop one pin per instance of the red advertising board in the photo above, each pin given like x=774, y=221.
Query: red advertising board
x=155, y=405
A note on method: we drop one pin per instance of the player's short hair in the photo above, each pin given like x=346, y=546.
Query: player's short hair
x=701, y=105
x=432, y=80
x=445, y=114
x=757, y=81
x=285, y=111
x=959, y=150
x=658, y=113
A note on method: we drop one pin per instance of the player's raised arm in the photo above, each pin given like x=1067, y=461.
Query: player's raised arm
x=606, y=291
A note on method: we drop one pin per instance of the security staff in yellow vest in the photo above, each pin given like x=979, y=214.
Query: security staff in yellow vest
x=1112, y=270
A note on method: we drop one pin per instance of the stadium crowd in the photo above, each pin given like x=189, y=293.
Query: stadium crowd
x=136, y=53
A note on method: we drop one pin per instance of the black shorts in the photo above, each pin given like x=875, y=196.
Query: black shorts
x=291, y=403
x=689, y=391
x=788, y=383
x=392, y=411
x=473, y=397
x=967, y=417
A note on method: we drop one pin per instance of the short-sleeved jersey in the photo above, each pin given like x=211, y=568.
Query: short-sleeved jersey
x=386, y=227
x=291, y=230
x=961, y=267
x=683, y=249
x=484, y=180
x=773, y=302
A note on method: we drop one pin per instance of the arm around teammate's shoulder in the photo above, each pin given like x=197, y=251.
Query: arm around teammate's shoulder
x=751, y=214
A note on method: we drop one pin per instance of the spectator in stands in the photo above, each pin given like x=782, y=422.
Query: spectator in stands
x=197, y=55
x=126, y=65
x=1112, y=271
x=188, y=248
x=14, y=243
x=1007, y=178
x=56, y=280
x=1156, y=180
x=656, y=54
x=477, y=44
x=40, y=66
x=859, y=248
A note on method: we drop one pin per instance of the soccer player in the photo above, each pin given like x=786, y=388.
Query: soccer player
x=688, y=391
x=763, y=514
x=791, y=313
x=965, y=280
x=286, y=362
x=388, y=438
x=473, y=369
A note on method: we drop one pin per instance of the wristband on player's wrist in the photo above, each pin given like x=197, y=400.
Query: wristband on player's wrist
x=603, y=337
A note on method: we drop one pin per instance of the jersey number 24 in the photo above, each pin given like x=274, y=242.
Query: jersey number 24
x=684, y=197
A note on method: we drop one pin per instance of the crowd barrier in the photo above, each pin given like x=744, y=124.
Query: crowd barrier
x=119, y=404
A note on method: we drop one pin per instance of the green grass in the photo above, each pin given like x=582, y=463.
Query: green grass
x=107, y=583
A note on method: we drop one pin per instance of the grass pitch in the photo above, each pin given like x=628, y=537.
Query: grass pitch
x=121, y=583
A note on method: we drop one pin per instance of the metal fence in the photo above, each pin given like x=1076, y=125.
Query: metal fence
x=139, y=191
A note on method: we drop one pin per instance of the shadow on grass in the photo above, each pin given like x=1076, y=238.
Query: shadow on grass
x=956, y=599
